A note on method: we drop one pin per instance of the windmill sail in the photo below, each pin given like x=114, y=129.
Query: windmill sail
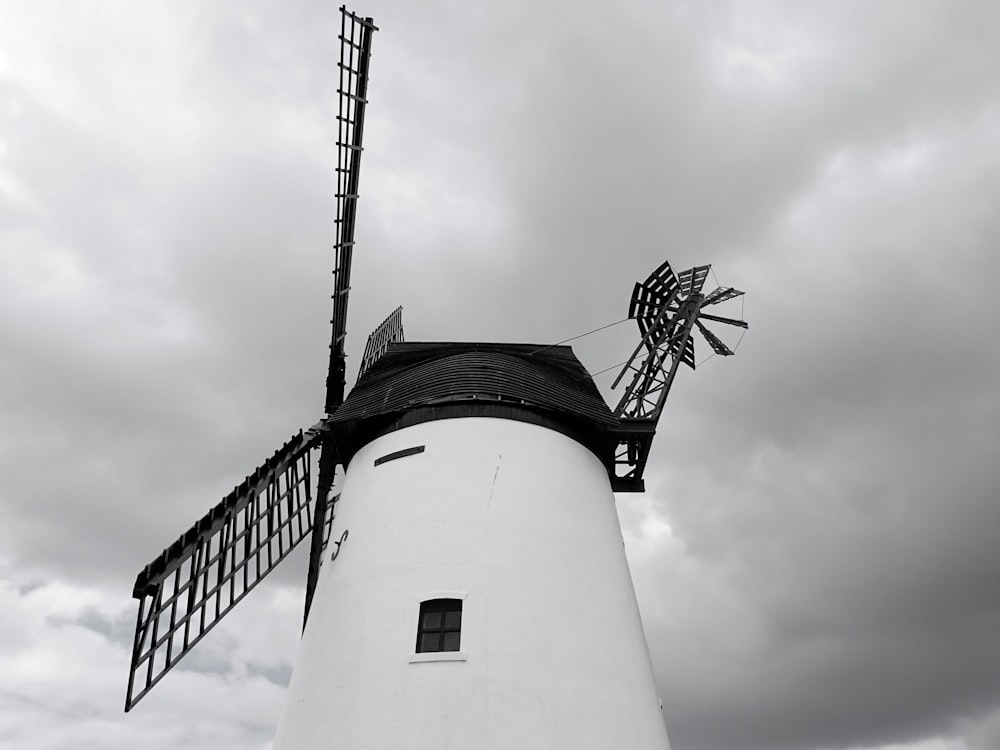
x=355, y=50
x=389, y=331
x=199, y=578
x=196, y=581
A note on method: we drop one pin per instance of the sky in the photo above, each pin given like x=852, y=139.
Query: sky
x=815, y=555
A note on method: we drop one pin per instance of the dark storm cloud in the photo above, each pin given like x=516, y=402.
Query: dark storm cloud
x=814, y=555
x=843, y=527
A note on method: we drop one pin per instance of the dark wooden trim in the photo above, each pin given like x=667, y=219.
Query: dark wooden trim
x=399, y=454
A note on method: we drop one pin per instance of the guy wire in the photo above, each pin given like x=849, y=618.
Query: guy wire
x=574, y=338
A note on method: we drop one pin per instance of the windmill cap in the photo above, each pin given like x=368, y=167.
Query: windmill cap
x=422, y=381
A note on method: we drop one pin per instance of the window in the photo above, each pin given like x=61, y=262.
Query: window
x=440, y=625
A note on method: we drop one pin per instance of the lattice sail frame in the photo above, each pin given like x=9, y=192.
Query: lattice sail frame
x=667, y=308
x=355, y=51
x=196, y=581
x=389, y=331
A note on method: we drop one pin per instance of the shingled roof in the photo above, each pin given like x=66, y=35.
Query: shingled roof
x=413, y=374
x=431, y=380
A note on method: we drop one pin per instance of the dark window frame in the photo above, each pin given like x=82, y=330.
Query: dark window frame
x=439, y=626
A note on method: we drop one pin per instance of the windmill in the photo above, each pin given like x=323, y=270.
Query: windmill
x=477, y=593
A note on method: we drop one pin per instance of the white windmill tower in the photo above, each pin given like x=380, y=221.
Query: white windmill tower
x=478, y=594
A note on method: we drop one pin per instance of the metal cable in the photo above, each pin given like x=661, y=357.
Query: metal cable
x=574, y=338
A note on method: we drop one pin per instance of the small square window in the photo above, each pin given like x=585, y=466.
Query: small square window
x=439, y=625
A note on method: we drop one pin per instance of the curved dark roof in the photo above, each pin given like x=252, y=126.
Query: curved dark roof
x=415, y=382
x=411, y=374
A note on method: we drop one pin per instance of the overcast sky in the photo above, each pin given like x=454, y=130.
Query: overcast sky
x=816, y=556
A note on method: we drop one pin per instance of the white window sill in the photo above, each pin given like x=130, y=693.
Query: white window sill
x=438, y=656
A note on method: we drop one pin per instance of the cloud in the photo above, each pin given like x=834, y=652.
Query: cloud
x=64, y=655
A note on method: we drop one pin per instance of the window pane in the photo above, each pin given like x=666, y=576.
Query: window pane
x=453, y=620
x=430, y=642
x=432, y=621
x=451, y=641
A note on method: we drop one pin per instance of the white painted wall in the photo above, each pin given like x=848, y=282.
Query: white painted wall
x=518, y=519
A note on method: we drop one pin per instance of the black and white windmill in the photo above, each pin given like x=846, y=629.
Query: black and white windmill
x=477, y=594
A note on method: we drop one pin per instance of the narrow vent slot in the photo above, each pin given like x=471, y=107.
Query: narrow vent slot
x=399, y=454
